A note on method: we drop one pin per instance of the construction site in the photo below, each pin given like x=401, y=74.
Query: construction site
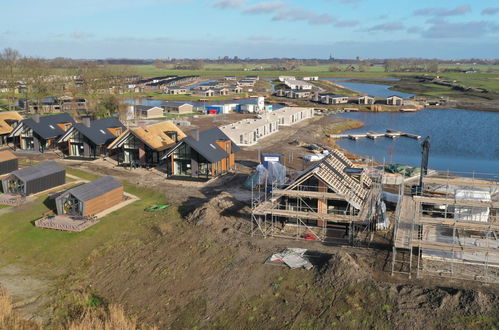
x=443, y=224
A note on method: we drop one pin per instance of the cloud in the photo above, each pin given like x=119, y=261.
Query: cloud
x=299, y=14
x=414, y=29
x=490, y=11
x=226, y=4
x=346, y=23
x=465, y=30
x=264, y=7
x=434, y=11
x=394, y=26
x=77, y=34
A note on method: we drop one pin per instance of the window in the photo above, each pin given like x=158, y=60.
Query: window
x=118, y=131
x=172, y=135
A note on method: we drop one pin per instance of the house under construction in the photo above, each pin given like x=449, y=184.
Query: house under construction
x=449, y=229
x=333, y=201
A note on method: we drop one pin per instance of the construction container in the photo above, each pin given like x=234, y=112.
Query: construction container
x=8, y=162
x=265, y=159
x=34, y=179
x=90, y=198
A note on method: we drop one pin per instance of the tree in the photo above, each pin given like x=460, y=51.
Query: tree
x=432, y=66
x=159, y=65
x=9, y=70
x=108, y=106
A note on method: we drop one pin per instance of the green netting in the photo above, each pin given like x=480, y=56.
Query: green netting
x=157, y=207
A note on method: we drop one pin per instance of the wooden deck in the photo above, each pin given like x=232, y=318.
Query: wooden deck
x=66, y=223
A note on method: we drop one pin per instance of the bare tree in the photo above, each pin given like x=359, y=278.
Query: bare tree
x=9, y=70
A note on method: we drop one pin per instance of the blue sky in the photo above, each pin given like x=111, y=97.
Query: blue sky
x=251, y=28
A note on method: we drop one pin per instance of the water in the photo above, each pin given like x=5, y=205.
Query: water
x=377, y=90
x=461, y=140
x=196, y=104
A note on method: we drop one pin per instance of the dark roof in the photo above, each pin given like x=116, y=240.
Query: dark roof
x=47, y=126
x=95, y=188
x=332, y=95
x=207, y=147
x=144, y=107
x=98, y=131
x=38, y=171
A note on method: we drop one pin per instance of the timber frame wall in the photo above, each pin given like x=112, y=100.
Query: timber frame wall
x=445, y=246
x=272, y=220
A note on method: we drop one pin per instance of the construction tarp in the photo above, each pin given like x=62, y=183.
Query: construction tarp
x=407, y=171
x=292, y=257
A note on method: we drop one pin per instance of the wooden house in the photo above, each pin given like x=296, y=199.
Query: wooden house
x=205, y=155
x=330, y=193
x=148, y=112
x=8, y=121
x=8, y=162
x=178, y=107
x=90, y=198
x=145, y=146
x=34, y=179
x=89, y=139
x=39, y=134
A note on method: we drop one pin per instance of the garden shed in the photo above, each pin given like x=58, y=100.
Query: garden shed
x=90, y=198
x=34, y=179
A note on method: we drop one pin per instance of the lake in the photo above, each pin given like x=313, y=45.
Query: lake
x=377, y=90
x=461, y=140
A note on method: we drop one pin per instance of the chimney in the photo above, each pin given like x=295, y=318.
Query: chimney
x=195, y=134
x=85, y=120
x=36, y=117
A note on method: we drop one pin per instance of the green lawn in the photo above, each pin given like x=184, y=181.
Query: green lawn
x=21, y=242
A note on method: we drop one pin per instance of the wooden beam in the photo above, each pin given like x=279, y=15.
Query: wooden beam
x=459, y=224
x=312, y=194
x=461, y=181
x=456, y=248
x=309, y=215
x=456, y=202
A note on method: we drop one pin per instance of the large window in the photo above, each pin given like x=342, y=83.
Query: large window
x=182, y=160
x=27, y=141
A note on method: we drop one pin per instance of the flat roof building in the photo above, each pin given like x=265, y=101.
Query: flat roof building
x=34, y=179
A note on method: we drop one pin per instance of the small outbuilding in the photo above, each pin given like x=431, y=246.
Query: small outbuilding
x=8, y=162
x=90, y=198
x=394, y=100
x=34, y=179
x=366, y=99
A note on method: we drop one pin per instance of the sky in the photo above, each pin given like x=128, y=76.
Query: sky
x=89, y=29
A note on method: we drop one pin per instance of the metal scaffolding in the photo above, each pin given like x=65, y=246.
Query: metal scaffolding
x=451, y=227
x=304, y=219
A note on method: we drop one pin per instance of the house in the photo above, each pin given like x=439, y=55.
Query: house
x=248, y=132
x=298, y=84
x=366, y=99
x=292, y=115
x=246, y=83
x=293, y=94
x=178, y=107
x=284, y=78
x=8, y=121
x=40, y=134
x=148, y=112
x=90, y=139
x=90, y=198
x=254, y=78
x=221, y=91
x=205, y=93
x=74, y=104
x=230, y=78
x=176, y=91
x=235, y=89
x=314, y=78
x=34, y=179
x=205, y=155
x=394, y=100
x=329, y=98
x=145, y=146
x=8, y=162
x=332, y=193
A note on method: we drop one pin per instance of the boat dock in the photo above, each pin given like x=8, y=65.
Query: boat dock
x=390, y=133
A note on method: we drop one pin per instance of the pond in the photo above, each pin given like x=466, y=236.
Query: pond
x=377, y=90
x=461, y=140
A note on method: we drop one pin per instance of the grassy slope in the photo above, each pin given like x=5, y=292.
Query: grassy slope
x=24, y=243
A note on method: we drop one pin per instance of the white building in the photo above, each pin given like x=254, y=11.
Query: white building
x=298, y=84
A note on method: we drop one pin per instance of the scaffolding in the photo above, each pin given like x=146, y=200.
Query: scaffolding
x=317, y=212
x=451, y=227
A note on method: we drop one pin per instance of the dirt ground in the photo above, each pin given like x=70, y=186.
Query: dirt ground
x=204, y=268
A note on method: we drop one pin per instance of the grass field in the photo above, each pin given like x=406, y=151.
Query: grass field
x=22, y=242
